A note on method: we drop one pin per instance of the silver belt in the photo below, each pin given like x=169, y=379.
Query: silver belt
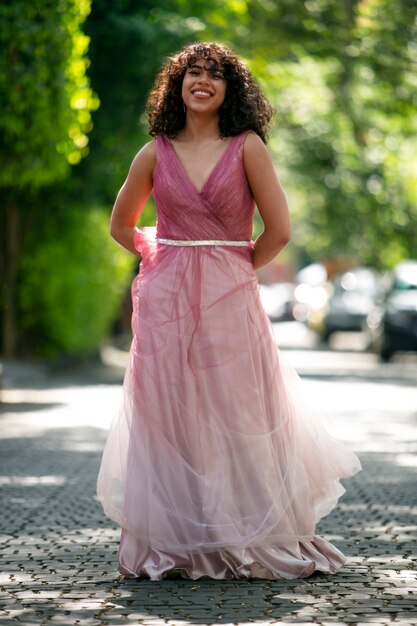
x=201, y=242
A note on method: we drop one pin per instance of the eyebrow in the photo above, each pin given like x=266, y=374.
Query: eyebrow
x=210, y=69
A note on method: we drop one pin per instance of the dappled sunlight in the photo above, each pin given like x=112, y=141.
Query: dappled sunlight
x=91, y=406
x=31, y=481
x=407, y=460
x=75, y=76
x=61, y=551
x=371, y=416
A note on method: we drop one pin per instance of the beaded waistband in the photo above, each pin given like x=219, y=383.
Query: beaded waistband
x=201, y=242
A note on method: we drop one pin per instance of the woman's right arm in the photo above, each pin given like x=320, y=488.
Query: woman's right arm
x=132, y=197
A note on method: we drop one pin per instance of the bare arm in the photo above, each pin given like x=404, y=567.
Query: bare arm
x=270, y=200
x=132, y=197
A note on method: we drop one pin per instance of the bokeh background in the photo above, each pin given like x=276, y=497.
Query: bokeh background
x=74, y=77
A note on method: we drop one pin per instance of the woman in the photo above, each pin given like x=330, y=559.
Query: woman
x=213, y=467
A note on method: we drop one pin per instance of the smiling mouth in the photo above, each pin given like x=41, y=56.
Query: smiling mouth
x=200, y=92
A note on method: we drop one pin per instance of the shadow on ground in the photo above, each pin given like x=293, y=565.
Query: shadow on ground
x=60, y=552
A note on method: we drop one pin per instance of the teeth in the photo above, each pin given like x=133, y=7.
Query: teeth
x=201, y=93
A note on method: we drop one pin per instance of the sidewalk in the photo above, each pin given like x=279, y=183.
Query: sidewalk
x=59, y=553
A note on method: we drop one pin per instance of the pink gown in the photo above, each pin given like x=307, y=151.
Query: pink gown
x=215, y=465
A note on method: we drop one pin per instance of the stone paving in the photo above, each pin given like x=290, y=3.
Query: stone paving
x=59, y=553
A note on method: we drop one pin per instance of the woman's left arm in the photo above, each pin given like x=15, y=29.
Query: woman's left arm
x=270, y=199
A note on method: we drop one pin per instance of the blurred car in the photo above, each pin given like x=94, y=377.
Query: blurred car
x=352, y=298
x=392, y=324
x=278, y=301
x=311, y=295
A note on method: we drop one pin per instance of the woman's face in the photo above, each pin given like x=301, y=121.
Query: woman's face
x=203, y=86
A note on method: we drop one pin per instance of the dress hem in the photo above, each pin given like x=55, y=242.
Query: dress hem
x=300, y=560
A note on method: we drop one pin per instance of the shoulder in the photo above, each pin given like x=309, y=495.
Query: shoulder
x=253, y=143
x=147, y=152
x=145, y=158
x=254, y=150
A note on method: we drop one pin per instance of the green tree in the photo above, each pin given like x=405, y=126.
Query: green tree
x=46, y=103
x=70, y=311
x=130, y=40
x=343, y=78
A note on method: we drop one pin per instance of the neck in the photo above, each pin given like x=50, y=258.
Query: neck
x=198, y=128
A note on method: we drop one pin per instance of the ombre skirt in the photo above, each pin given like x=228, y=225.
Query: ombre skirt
x=216, y=464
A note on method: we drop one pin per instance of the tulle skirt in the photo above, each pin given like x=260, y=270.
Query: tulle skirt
x=216, y=464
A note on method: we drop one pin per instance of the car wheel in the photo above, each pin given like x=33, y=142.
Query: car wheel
x=327, y=333
x=385, y=355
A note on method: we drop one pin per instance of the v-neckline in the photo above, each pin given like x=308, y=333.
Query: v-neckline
x=211, y=172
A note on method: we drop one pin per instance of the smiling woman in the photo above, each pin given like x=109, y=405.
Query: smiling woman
x=215, y=466
x=203, y=84
x=244, y=106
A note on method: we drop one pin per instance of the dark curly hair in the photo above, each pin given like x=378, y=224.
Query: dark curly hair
x=244, y=108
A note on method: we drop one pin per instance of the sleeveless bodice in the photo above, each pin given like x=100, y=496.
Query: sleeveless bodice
x=222, y=209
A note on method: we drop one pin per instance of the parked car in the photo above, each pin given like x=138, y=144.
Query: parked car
x=352, y=299
x=392, y=324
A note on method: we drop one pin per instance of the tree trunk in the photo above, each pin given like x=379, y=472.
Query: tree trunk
x=10, y=263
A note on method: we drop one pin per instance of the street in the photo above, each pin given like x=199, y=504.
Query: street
x=59, y=552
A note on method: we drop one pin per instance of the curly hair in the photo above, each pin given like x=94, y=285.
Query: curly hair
x=244, y=108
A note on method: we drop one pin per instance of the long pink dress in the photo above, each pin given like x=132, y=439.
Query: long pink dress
x=215, y=465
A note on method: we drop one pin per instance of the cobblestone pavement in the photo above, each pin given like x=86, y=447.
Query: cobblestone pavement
x=59, y=553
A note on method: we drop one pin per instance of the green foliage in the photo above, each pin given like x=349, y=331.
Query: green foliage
x=72, y=282
x=343, y=78
x=45, y=97
x=130, y=41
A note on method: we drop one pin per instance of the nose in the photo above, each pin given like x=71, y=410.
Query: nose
x=204, y=77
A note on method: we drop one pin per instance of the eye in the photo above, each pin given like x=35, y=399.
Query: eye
x=193, y=72
x=217, y=76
